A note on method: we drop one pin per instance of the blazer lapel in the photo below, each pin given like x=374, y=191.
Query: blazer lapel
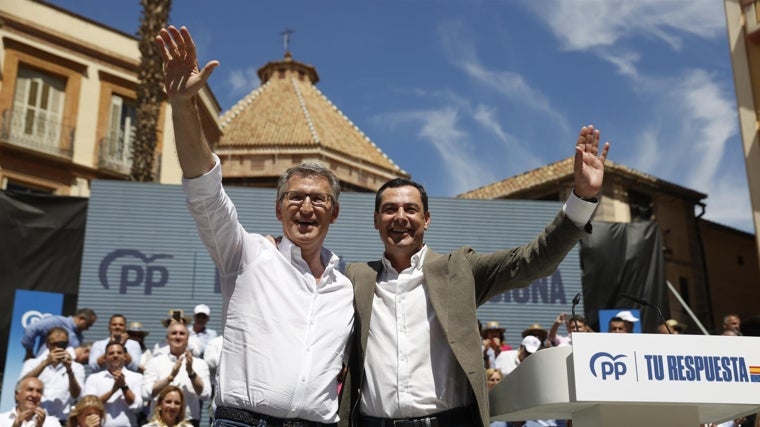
x=364, y=295
x=436, y=270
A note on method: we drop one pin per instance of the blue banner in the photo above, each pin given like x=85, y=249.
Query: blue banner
x=28, y=307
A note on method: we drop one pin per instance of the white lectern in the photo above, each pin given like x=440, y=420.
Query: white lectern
x=634, y=380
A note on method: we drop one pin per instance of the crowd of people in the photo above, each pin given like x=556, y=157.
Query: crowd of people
x=116, y=381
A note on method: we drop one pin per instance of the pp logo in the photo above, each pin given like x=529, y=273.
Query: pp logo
x=136, y=270
x=608, y=364
x=32, y=316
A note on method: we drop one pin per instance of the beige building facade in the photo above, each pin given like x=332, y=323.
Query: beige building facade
x=68, y=103
x=743, y=25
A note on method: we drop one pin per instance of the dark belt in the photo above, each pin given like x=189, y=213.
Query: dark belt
x=452, y=417
x=255, y=419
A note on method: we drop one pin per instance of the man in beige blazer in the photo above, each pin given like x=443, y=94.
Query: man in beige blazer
x=417, y=358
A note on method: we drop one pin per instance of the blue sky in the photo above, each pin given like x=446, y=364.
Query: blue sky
x=464, y=93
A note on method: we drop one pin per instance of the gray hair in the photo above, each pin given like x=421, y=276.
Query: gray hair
x=22, y=381
x=309, y=169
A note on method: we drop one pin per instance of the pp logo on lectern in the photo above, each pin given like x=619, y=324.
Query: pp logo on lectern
x=608, y=365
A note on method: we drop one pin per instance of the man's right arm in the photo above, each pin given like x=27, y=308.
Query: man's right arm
x=183, y=80
x=33, y=331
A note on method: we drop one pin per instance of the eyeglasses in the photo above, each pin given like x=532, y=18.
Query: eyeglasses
x=319, y=200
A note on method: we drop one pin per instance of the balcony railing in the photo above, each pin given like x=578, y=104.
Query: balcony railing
x=24, y=129
x=114, y=156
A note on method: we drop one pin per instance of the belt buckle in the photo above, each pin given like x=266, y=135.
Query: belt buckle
x=293, y=423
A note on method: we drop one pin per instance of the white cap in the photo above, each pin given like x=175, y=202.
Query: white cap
x=627, y=316
x=202, y=308
x=531, y=344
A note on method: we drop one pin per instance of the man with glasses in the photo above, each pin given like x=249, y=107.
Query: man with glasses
x=62, y=376
x=288, y=311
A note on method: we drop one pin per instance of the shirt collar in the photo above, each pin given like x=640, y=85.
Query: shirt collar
x=418, y=259
x=292, y=253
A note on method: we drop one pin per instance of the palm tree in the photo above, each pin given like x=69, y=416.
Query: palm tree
x=149, y=89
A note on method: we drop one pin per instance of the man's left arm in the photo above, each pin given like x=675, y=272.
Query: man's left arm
x=134, y=382
x=519, y=267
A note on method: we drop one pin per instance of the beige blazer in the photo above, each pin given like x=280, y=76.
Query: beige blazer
x=458, y=283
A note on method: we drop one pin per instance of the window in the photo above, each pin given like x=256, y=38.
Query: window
x=19, y=187
x=37, y=110
x=121, y=132
x=640, y=205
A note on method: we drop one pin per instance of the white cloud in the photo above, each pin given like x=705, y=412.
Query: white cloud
x=711, y=118
x=581, y=25
x=486, y=118
x=598, y=25
x=729, y=203
x=511, y=85
x=440, y=128
x=242, y=81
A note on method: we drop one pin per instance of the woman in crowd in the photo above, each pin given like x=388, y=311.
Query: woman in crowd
x=88, y=412
x=170, y=409
x=493, y=376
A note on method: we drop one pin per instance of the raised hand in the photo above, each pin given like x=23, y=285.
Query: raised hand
x=589, y=162
x=182, y=76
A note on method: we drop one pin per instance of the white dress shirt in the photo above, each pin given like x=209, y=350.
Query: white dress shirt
x=212, y=354
x=285, y=334
x=56, y=399
x=118, y=412
x=99, y=348
x=8, y=418
x=507, y=361
x=410, y=370
x=160, y=366
x=402, y=360
x=203, y=337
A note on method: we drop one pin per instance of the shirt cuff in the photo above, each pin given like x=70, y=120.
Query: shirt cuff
x=205, y=185
x=578, y=210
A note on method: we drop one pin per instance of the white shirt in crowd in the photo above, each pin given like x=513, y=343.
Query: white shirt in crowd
x=285, y=335
x=118, y=412
x=56, y=399
x=160, y=366
x=8, y=418
x=507, y=361
x=99, y=348
x=203, y=337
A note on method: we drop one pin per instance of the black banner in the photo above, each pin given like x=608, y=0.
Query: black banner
x=41, y=244
x=624, y=258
